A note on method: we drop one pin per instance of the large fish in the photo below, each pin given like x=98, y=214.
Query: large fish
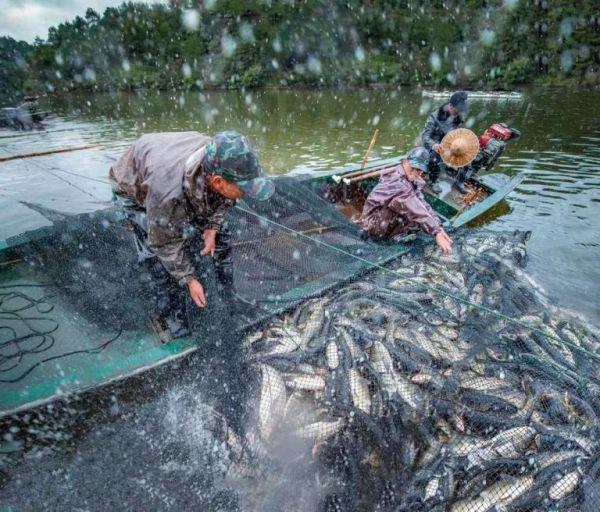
x=321, y=430
x=509, y=444
x=392, y=381
x=497, y=496
x=305, y=381
x=359, y=388
x=272, y=401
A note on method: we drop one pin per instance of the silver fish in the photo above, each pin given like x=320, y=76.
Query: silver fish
x=305, y=381
x=321, y=430
x=565, y=486
x=431, y=488
x=391, y=380
x=333, y=357
x=283, y=346
x=499, y=388
x=509, y=443
x=496, y=496
x=272, y=401
x=359, y=388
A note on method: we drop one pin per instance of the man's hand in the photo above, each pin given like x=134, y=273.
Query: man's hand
x=210, y=242
x=444, y=242
x=197, y=292
x=436, y=148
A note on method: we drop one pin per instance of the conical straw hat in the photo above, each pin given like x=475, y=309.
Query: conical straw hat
x=459, y=147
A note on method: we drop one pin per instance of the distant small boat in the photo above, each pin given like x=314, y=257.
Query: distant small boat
x=26, y=116
x=477, y=95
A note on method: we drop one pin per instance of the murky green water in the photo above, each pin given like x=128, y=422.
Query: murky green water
x=558, y=152
x=155, y=449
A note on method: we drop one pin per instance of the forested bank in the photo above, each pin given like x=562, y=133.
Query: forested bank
x=209, y=44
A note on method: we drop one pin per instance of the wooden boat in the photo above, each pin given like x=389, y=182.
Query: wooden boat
x=51, y=348
x=475, y=95
x=454, y=208
x=19, y=118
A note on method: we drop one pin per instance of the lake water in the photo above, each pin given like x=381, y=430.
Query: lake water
x=558, y=153
x=150, y=450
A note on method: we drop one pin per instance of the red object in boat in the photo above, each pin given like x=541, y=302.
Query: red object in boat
x=497, y=131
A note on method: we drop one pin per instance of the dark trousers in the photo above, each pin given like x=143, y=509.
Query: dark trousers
x=434, y=166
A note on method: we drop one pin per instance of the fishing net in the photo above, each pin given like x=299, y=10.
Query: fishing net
x=426, y=383
x=412, y=393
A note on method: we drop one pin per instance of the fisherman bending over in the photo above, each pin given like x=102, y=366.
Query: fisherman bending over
x=448, y=117
x=182, y=179
x=396, y=206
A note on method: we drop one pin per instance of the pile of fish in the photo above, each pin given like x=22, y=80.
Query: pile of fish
x=410, y=393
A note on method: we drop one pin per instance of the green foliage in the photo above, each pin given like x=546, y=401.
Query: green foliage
x=13, y=67
x=518, y=71
x=253, y=43
x=253, y=77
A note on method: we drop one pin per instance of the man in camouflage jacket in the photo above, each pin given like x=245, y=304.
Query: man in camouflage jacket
x=181, y=178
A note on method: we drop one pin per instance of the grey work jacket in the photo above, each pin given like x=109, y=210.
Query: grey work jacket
x=161, y=172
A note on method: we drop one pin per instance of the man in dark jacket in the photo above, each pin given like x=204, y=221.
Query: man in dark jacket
x=396, y=206
x=185, y=178
x=448, y=117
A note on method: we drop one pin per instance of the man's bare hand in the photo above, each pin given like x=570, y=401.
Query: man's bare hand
x=197, y=292
x=444, y=242
x=210, y=242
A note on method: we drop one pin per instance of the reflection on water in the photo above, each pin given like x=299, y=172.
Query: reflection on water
x=558, y=152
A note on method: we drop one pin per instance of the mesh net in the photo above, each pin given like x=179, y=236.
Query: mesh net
x=430, y=383
x=437, y=383
x=271, y=261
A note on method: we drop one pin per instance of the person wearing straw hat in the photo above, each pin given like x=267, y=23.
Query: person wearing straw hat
x=175, y=180
x=448, y=117
x=396, y=207
x=457, y=150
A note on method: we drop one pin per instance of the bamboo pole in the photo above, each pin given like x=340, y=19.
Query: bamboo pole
x=339, y=177
x=49, y=152
x=367, y=175
x=366, y=157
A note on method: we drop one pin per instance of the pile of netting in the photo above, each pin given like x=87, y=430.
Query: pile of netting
x=443, y=383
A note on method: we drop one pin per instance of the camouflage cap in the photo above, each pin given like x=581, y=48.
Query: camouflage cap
x=231, y=155
x=418, y=158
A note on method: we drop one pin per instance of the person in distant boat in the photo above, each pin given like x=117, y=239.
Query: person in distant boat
x=187, y=179
x=396, y=206
x=448, y=117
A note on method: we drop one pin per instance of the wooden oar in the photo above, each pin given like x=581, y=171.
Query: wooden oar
x=48, y=152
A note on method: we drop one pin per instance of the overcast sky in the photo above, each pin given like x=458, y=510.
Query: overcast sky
x=26, y=19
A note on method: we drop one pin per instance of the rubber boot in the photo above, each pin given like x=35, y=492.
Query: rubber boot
x=460, y=182
x=433, y=170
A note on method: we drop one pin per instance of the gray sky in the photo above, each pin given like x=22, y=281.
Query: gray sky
x=26, y=19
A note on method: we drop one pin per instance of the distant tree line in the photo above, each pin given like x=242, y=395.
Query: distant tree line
x=277, y=43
